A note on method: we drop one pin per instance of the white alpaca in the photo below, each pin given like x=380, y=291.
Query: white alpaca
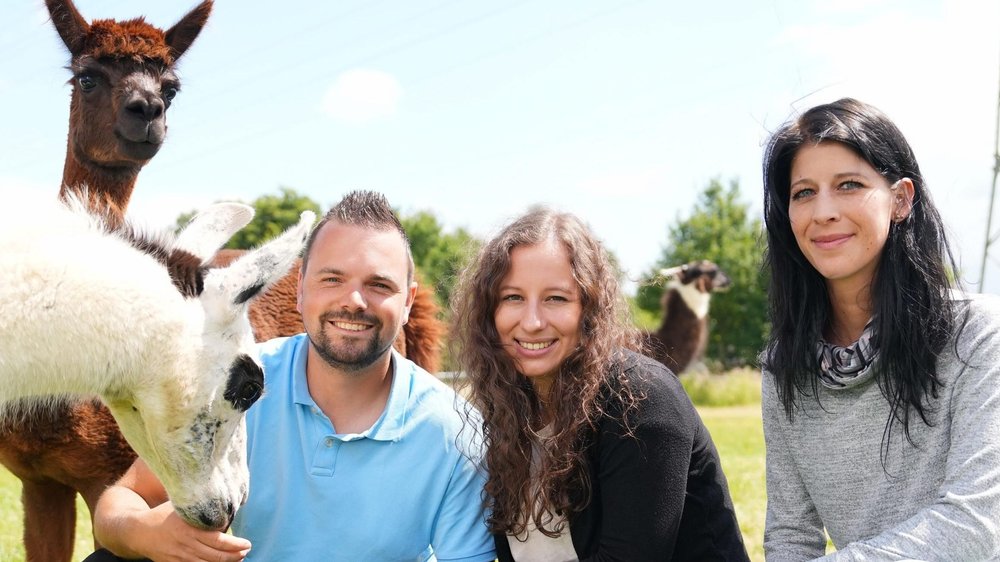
x=163, y=340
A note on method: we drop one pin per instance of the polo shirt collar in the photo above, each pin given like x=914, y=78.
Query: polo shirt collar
x=390, y=425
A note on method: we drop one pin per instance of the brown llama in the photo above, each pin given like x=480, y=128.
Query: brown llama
x=123, y=81
x=683, y=333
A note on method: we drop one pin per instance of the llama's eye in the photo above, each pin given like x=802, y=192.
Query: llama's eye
x=87, y=82
x=249, y=392
x=169, y=93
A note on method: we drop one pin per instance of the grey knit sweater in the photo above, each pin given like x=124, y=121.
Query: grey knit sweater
x=937, y=499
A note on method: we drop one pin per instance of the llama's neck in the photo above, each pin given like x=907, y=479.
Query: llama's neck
x=107, y=187
x=695, y=300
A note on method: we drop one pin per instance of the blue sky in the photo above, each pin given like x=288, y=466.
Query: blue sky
x=619, y=111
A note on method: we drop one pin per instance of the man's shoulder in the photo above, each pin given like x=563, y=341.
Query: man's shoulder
x=433, y=401
x=275, y=345
x=278, y=357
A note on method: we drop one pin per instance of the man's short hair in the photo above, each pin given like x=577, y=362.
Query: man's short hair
x=368, y=209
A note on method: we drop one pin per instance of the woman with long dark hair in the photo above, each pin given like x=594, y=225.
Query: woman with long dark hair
x=881, y=393
x=593, y=451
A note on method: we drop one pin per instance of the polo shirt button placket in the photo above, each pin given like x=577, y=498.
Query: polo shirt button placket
x=325, y=457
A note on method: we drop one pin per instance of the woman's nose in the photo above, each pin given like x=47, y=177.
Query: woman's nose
x=825, y=207
x=533, y=318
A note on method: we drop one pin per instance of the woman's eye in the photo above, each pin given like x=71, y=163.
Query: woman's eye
x=511, y=298
x=851, y=184
x=802, y=193
x=87, y=82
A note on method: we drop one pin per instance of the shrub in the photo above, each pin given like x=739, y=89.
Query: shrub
x=734, y=388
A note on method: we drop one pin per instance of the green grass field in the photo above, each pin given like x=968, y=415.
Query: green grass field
x=737, y=432
x=11, y=526
x=739, y=435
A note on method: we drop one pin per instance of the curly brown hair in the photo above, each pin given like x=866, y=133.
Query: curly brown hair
x=590, y=383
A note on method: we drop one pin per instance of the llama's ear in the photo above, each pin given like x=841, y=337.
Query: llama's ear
x=183, y=33
x=212, y=227
x=258, y=269
x=672, y=271
x=70, y=25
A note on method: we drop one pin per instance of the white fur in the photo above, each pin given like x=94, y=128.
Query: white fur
x=82, y=312
x=696, y=300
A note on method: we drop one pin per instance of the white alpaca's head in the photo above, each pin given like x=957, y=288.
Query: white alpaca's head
x=187, y=421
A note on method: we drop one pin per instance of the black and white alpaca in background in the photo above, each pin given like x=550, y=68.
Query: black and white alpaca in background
x=143, y=323
x=683, y=334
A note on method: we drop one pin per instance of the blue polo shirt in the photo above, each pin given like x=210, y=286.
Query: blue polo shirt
x=402, y=490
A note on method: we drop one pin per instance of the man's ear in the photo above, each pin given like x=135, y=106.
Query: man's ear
x=411, y=293
x=903, y=205
x=298, y=292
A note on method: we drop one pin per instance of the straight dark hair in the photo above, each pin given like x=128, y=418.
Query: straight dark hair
x=910, y=293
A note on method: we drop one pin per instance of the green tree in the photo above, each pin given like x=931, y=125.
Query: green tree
x=720, y=229
x=273, y=214
x=438, y=256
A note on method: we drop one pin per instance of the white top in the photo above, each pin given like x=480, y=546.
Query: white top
x=534, y=546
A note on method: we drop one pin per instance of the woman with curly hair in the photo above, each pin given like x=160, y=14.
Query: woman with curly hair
x=881, y=392
x=594, y=452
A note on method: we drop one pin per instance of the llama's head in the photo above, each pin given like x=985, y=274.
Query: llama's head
x=696, y=281
x=187, y=420
x=123, y=82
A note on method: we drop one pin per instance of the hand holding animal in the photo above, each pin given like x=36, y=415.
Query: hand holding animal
x=87, y=308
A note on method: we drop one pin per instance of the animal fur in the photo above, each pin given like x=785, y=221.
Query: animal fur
x=683, y=333
x=73, y=445
x=89, y=310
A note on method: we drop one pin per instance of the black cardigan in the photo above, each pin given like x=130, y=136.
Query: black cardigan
x=657, y=495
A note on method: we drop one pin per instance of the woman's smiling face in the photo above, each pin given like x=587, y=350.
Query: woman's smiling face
x=539, y=312
x=841, y=209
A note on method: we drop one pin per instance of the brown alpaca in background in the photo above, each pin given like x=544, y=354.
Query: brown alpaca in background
x=123, y=82
x=683, y=333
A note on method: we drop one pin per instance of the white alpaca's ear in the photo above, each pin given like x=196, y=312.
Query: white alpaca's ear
x=212, y=227
x=258, y=269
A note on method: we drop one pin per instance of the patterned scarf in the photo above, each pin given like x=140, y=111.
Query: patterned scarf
x=844, y=367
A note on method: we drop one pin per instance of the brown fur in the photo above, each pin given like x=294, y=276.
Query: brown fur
x=679, y=340
x=72, y=446
x=56, y=451
x=62, y=447
x=133, y=39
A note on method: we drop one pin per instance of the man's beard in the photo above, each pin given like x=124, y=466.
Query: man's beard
x=354, y=355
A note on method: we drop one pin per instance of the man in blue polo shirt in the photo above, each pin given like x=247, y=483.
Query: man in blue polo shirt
x=355, y=453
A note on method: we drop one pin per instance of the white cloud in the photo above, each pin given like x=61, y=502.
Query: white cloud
x=362, y=95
